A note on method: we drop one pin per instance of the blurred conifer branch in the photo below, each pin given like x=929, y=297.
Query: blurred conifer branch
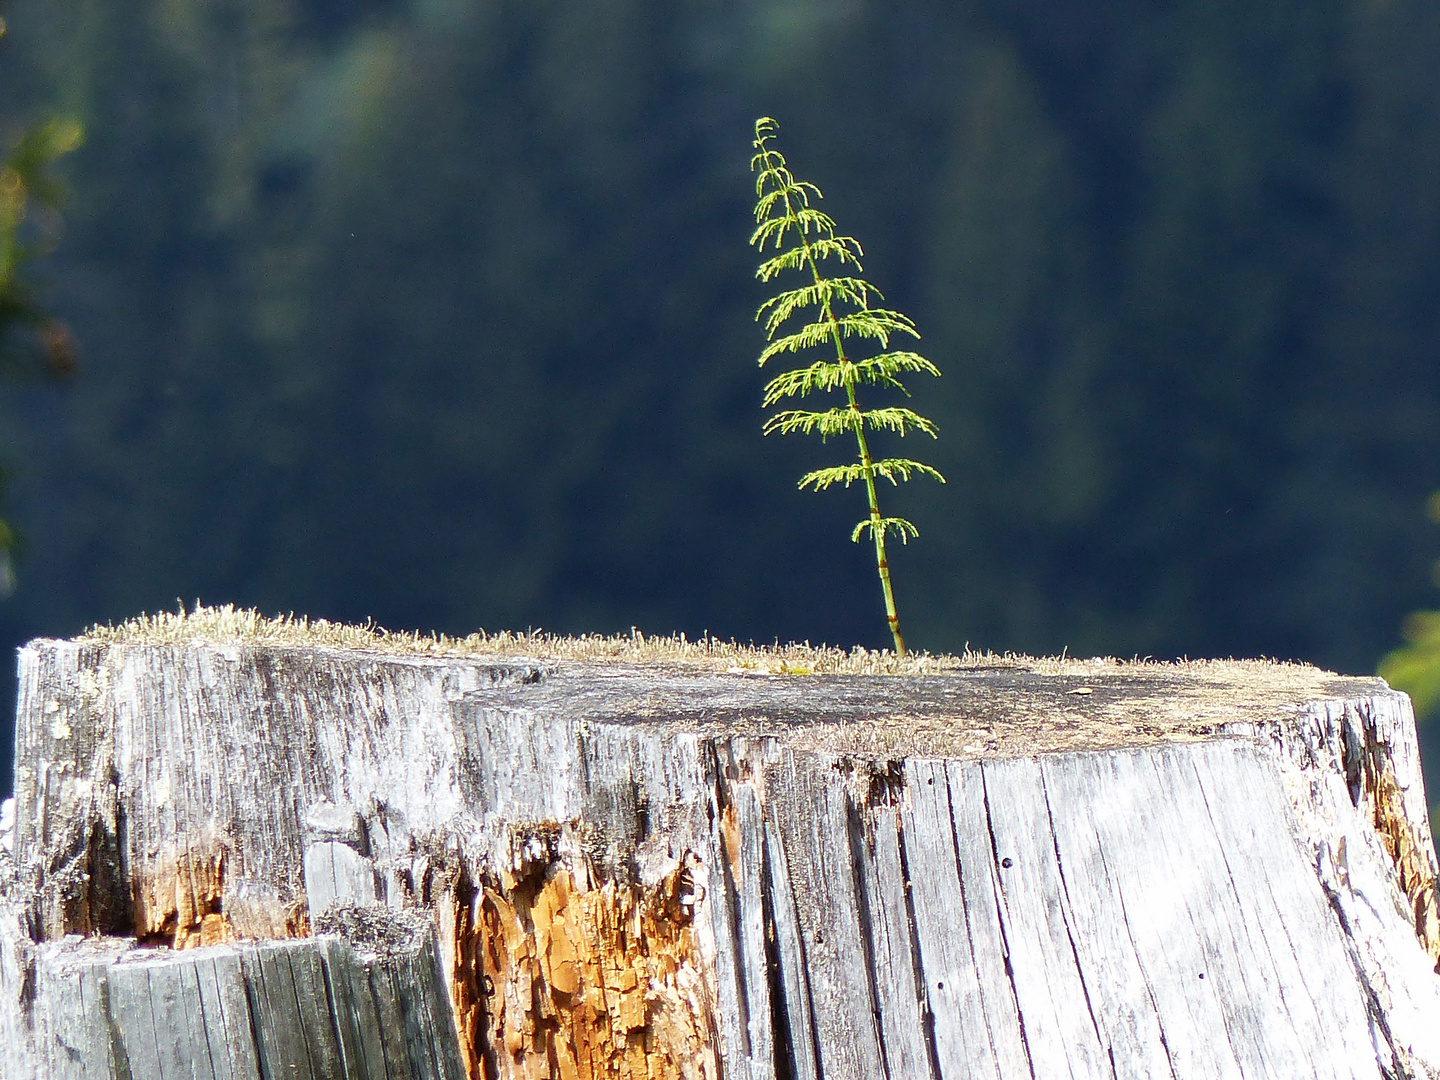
x=803, y=237
x=25, y=184
x=27, y=331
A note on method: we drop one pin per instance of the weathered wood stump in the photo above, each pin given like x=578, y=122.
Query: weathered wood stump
x=257, y=850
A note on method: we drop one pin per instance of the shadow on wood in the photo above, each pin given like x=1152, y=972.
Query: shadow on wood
x=246, y=850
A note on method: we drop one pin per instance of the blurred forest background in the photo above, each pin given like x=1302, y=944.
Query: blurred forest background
x=440, y=312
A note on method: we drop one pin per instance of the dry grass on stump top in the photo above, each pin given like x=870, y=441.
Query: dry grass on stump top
x=972, y=705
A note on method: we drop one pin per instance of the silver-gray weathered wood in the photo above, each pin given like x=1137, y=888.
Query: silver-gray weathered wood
x=236, y=860
x=306, y=1009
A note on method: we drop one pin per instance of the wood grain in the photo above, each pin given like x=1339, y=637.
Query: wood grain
x=236, y=859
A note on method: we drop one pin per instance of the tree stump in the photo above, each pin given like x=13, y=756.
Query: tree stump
x=244, y=850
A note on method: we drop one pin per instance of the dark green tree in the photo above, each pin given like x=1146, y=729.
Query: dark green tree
x=453, y=278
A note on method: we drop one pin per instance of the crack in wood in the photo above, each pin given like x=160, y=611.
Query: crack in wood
x=1408, y=849
x=1067, y=919
x=732, y=869
x=998, y=886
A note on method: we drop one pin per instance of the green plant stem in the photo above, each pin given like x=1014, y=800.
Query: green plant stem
x=877, y=530
x=877, y=527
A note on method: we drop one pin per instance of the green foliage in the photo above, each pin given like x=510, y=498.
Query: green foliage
x=25, y=180
x=802, y=238
x=25, y=184
x=1415, y=667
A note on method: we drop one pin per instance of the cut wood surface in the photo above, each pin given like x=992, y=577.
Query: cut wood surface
x=251, y=849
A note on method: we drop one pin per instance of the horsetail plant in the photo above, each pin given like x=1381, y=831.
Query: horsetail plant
x=803, y=238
